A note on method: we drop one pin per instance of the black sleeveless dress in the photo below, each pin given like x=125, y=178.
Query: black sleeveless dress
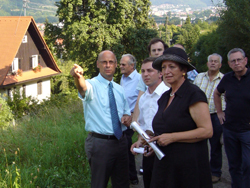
x=185, y=165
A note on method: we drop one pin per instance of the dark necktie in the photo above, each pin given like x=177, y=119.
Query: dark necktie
x=114, y=114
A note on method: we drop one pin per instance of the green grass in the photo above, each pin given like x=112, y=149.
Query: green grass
x=46, y=149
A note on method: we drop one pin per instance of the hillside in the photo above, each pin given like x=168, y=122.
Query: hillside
x=39, y=9
x=191, y=3
x=42, y=9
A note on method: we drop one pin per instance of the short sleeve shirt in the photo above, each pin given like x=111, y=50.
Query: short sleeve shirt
x=237, y=96
x=176, y=117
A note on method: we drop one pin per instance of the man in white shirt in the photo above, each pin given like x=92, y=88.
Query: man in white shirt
x=148, y=107
x=155, y=48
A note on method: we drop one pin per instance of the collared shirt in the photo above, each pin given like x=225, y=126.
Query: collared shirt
x=237, y=94
x=148, y=106
x=203, y=82
x=96, y=105
x=141, y=85
x=191, y=75
x=129, y=84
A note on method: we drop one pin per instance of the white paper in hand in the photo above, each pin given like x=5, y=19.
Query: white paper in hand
x=139, y=150
x=144, y=135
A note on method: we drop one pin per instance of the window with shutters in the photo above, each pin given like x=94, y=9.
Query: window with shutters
x=15, y=64
x=19, y=63
x=39, y=88
x=33, y=61
x=25, y=39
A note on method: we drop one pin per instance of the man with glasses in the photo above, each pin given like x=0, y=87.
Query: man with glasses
x=207, y=82
x=236, y=119
x=107, y=114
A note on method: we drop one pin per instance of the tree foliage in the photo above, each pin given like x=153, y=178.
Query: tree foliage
x=234, y=27
x=92, y=26
x=188, y=35
x=206, y=45
x=232, y=31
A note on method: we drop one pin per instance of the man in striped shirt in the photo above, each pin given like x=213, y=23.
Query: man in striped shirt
x=208, y=81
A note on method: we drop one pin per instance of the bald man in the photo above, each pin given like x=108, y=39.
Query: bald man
x=106, y=145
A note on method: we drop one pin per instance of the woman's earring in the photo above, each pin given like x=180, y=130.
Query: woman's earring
x=183, y=74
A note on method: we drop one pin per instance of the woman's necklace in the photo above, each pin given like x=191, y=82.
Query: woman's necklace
x=171, y=94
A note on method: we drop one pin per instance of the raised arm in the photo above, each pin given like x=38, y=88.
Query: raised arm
x=77, y=73
x=218, y=106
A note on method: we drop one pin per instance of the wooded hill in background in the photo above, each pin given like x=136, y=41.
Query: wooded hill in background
x=39, y=9
x=42, y=9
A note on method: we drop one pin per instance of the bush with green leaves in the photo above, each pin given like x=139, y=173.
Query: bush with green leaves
x=6, y=115
x=20, y=104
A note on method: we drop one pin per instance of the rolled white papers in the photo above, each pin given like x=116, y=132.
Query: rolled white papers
x=144, y=135
x=139, y=150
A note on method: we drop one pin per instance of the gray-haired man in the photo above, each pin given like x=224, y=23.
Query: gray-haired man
x=208, y=81
x=129, y=80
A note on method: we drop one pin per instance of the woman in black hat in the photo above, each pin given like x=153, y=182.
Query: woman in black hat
x=183, y=125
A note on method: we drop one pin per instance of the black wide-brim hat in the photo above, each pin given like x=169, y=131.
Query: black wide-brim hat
x=175, y=54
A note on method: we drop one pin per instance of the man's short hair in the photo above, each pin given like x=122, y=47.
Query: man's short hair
x=214, y=54
x=155, y=40
x=148, y=59
x=132, y=59
x=234, y=50
x=181, y=46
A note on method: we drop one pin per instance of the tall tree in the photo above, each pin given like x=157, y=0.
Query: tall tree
x=234, y=27
x=188, y=35
x=90, y=26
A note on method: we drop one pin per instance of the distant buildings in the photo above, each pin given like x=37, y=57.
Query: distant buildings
x=181, y=11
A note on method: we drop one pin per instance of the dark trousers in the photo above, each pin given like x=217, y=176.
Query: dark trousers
x=107, y=158
x=237, y=146
x=132, y=167
x=216, y=147
x=148, y=163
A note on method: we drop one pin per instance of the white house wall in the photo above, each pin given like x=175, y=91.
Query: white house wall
x=31, y=90
x=45, y=90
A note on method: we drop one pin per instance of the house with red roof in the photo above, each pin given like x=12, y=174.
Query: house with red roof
x=26, y=62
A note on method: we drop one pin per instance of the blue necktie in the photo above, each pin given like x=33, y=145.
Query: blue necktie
x=114, y=114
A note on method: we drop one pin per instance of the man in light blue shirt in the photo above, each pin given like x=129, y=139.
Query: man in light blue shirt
x=106, y=154
x=129, y=80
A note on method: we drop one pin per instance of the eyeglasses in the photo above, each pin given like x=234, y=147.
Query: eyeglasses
x=239, y=60
x=123, y=65
x=111, y=63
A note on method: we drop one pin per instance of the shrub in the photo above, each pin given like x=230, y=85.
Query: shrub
x=6, y=115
